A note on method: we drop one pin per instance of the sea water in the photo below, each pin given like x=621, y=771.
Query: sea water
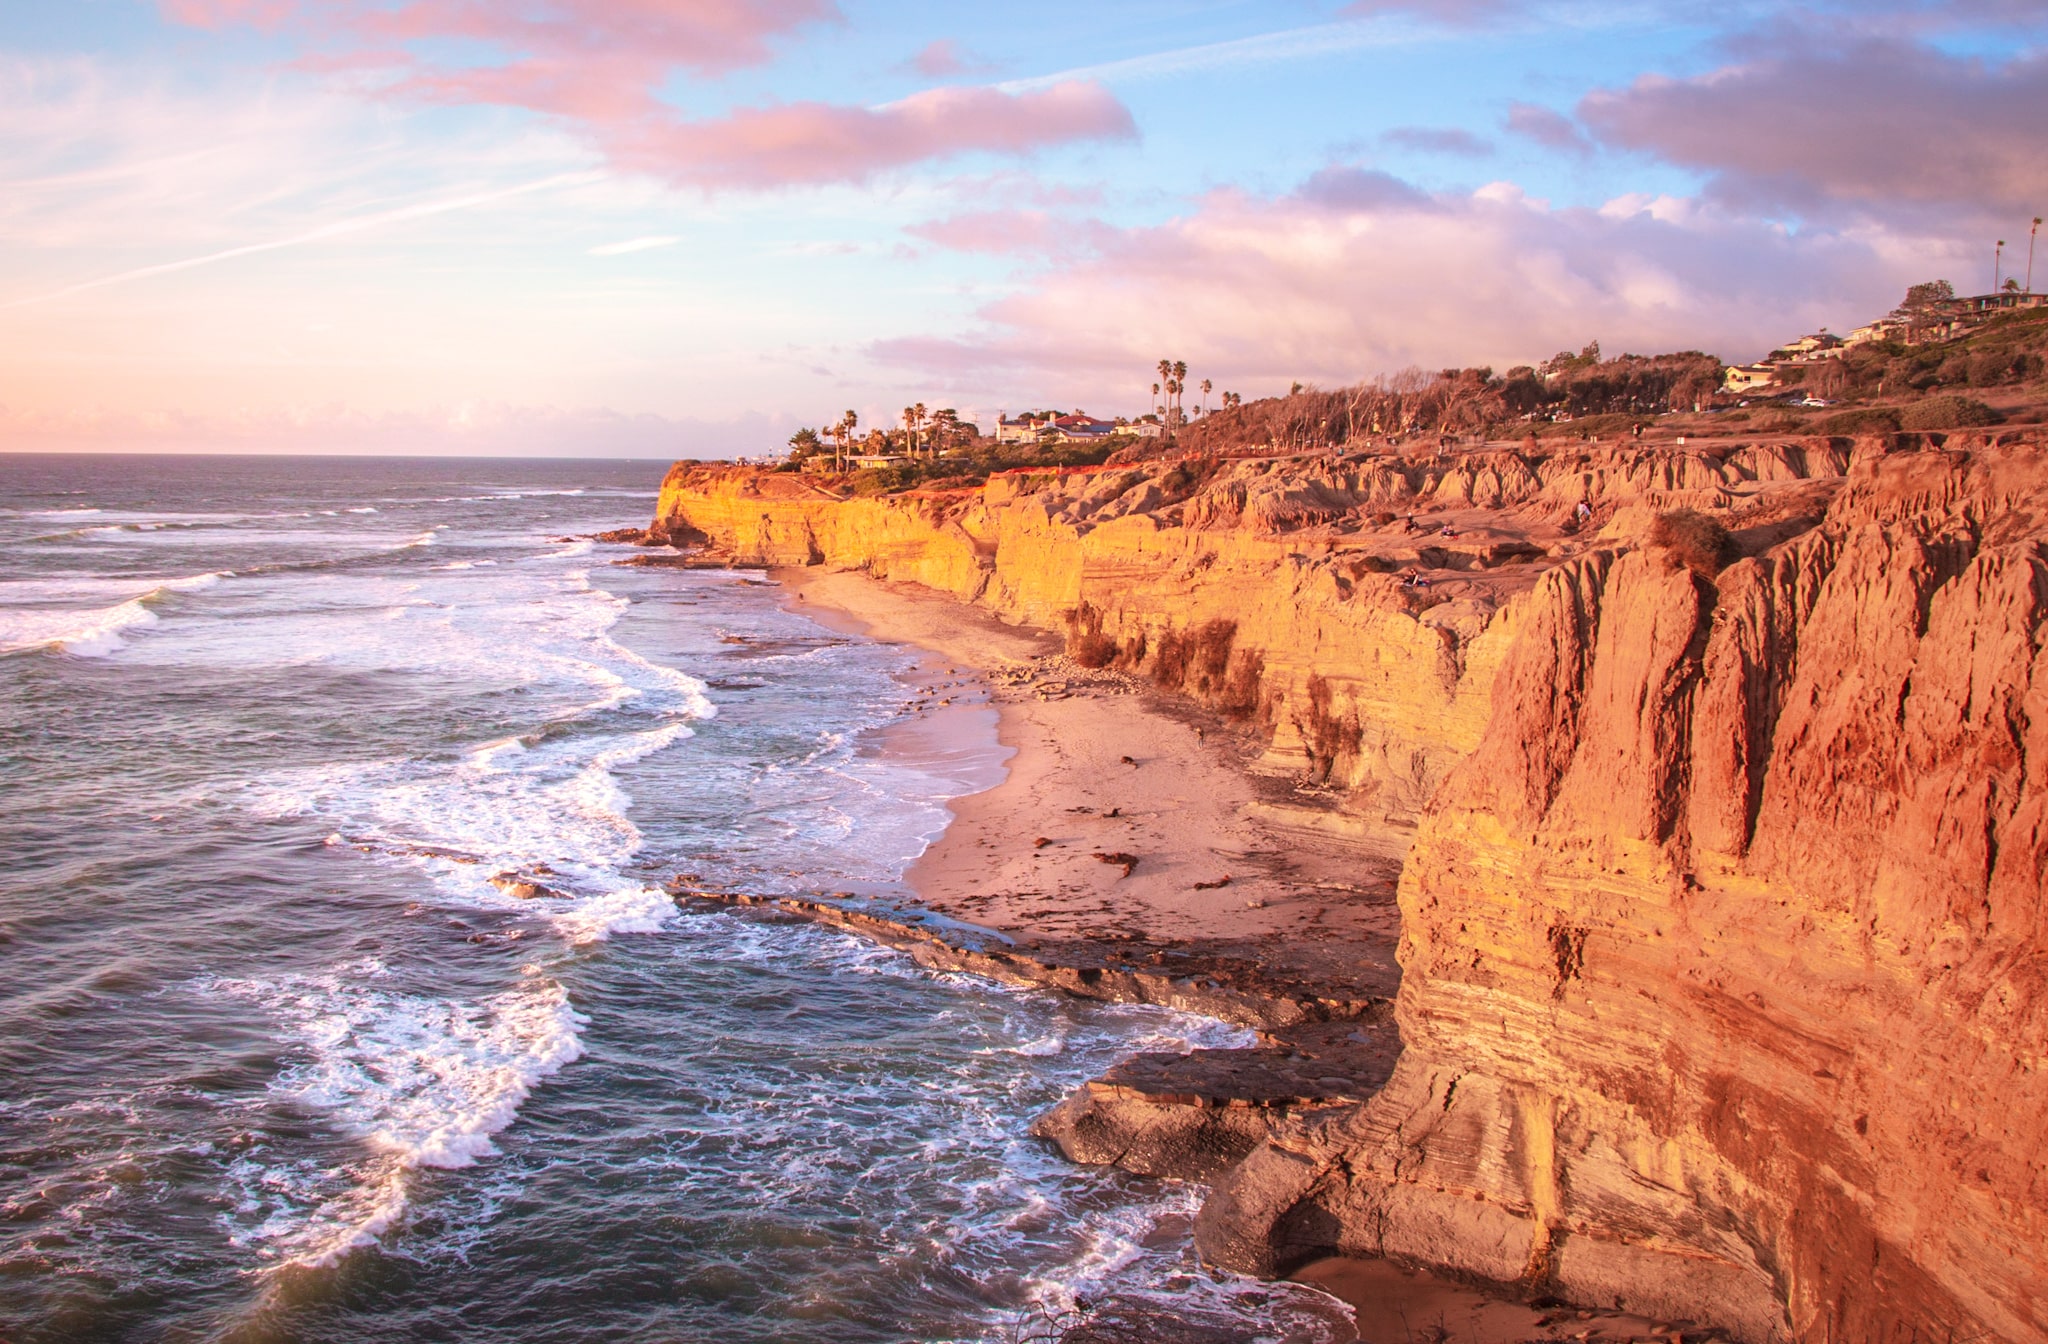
x=279, y=1061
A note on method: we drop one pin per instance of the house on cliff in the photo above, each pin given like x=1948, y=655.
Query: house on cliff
x=1055, y=428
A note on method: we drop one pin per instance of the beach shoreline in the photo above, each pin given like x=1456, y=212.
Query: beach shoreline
x=1103, y=770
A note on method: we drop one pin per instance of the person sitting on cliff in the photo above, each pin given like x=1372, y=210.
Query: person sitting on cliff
x=1449, y=531
x=1584, y=512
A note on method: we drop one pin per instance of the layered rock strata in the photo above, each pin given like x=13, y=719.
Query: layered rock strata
x=1723, y=977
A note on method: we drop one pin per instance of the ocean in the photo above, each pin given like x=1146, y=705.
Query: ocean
x=279, y=1060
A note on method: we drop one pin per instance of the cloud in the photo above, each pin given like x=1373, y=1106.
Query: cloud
x=1012, y=232
x=1437, y=140
x=820, y=142
x=632, y=245
x=1358, y=273
x=1549, y=128
x=1876, y=126
x=943, y=59
x=602, y=64
x=706, y=36
x=1363, y=189
x=336, y=228
x=485, y=429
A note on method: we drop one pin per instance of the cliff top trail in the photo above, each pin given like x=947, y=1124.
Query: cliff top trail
x=1712, y=778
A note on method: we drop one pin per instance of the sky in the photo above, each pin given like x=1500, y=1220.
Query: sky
x=673, y=228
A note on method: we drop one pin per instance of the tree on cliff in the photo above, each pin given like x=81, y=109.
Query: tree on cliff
x=1925, y=295
x=843, y=431
x=804, y=444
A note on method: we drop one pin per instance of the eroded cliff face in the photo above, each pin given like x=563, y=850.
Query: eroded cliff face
x=1271, y=589
x=1723, y=967
x=1724, y=987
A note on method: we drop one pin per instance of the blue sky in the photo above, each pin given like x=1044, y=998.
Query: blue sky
x=686, y=226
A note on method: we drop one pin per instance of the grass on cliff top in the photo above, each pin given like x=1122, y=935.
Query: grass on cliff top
x=967, y=469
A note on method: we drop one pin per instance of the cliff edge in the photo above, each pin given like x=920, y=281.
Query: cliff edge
x=1722, y=860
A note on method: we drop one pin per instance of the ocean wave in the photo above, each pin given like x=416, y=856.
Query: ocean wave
x=87, y=632
x=420, y=1081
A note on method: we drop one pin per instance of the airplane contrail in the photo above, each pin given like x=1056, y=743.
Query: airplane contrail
x=1288, y=44
x=325, y=231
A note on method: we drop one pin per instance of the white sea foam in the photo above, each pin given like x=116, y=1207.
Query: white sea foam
x=30, y=617
x=422, y=1081
x=1044, y=1047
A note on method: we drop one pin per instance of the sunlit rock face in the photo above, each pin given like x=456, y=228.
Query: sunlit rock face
x=1725, y=994
x=1723, y=964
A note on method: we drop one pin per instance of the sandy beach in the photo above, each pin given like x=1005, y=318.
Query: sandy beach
x=1126, y=819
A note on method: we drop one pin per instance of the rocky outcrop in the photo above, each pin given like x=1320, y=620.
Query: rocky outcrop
x=1194, y=1116
x=1724, y=990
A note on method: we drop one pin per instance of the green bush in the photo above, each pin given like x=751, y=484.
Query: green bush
x=1868, y=420
x=1947, y=413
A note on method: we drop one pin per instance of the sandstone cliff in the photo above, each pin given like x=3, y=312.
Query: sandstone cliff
x=1722, y=903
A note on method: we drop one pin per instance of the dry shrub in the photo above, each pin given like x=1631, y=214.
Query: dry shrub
x=1086, y=643
x=1093, y=650
x=1240, y=692
x=1947, y=413
x=1326, y=736
x=1195, y=660
x=1170, y=660
x=1868, y=420
x=1697, y=541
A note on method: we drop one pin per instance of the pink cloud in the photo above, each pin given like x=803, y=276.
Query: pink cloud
x=1015, y=232
x=821, y=142
x=1360, y=274
x=490, y=429
x=601, y=63
x=707, y=36
x=1551, y=129
x=1437, y=140
x=942, y=59
x=1876, y=126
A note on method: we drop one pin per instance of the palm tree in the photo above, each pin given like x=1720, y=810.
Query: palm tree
x=1206, y=385
x=919, y=412
x=2030, y=253
x=847, y=424
x=1180, y=382
x=1157, y=409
